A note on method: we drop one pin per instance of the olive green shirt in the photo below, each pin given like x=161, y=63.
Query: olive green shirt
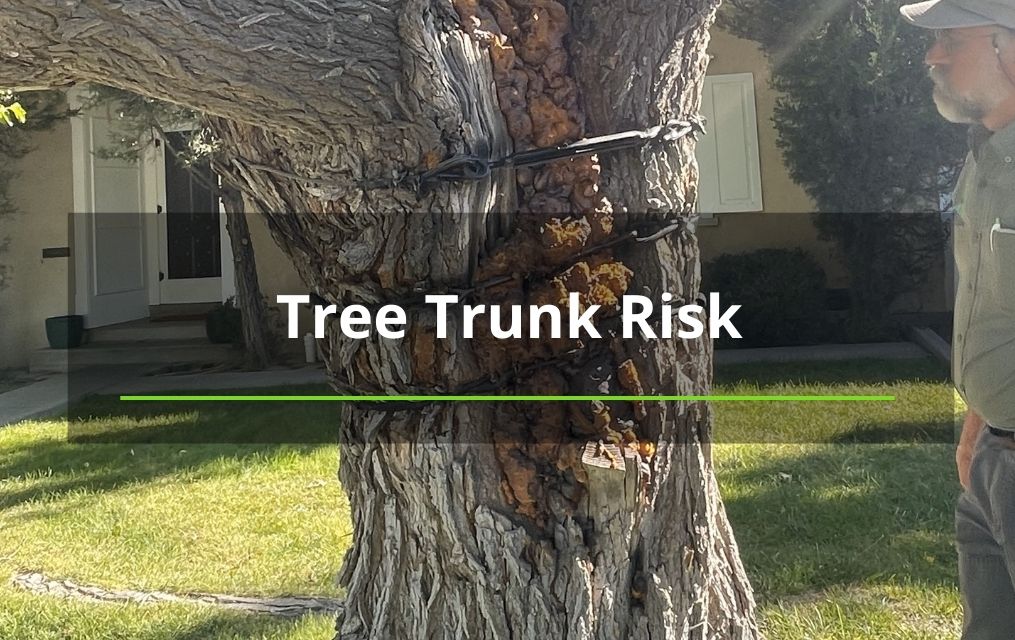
x=983, y=344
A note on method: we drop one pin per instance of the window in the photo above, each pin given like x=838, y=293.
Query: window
x=728, y=158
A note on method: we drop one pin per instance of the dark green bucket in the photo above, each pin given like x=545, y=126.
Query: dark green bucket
x=65, y=332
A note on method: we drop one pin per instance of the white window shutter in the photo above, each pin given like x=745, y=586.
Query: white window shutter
x=729, y=163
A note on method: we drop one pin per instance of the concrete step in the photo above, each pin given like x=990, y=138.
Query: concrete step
x=147, y=332
x=190, y=310
x=131, y=353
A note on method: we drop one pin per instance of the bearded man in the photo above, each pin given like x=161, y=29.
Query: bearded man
x=972, y=63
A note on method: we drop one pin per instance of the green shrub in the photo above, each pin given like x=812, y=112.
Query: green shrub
x=782, y=294
x=224, y=324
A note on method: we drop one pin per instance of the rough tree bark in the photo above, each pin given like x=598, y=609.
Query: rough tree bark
x=249, y=298
x=472, y=520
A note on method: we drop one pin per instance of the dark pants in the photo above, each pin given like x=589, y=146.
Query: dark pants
x=985, y=531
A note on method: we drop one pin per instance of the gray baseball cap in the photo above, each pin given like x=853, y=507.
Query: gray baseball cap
x=956, y=14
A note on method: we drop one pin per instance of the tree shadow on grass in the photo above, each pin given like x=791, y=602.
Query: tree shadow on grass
x=230, y=626
x=107, y=419
x=114, y=445
x=850, y=425
x=912, y=432
x=841, y=515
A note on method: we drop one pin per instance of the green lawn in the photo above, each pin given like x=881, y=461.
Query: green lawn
x=253, y=519
x=923, y=411
x=846, y=541
x=842, y=540
x=845, y=523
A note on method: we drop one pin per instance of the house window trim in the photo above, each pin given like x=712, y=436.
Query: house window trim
x=752, y=147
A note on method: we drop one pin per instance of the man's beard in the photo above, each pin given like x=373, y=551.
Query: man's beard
x=955, y=109
x=962, y=109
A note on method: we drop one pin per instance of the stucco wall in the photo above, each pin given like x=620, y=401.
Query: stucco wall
x=277, y=276
x=274, y=270
x=37, y=288
x=734, y=55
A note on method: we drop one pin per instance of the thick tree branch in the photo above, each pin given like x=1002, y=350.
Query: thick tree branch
x=301, y=68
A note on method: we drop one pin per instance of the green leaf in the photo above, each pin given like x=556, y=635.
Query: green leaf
x=13, y=113
x=19, y=112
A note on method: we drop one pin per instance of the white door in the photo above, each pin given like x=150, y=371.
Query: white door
x=109, y=228
x=190, y=229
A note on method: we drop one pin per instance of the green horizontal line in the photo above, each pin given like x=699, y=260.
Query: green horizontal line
x=481, y=398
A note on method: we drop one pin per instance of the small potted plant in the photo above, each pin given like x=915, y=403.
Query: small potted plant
x=65, y=332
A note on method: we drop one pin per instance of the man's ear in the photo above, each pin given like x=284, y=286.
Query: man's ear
x=1004, y=47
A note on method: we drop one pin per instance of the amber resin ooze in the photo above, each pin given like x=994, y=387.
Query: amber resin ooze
x=559, y=248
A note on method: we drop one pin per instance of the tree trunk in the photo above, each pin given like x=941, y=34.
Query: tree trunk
x=249, y=298
x=473, y=520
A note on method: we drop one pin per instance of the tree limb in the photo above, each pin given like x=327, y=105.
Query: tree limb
x=302, y=69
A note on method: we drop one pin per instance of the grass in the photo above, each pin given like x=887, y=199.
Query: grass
x=107, y=419
x=846, y=541
x=246, y=519
x=842, y=540
x=847, y=529
x=29, y=617
x=924, y=409
x=844, y=514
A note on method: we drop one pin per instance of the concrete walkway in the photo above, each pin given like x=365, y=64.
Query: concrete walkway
x=51, y=396
x=823, y=352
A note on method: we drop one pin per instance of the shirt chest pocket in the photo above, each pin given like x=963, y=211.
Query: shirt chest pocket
x=1001, y=256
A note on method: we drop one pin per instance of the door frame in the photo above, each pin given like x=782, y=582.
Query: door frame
x=153, y=170
x=152, y=196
